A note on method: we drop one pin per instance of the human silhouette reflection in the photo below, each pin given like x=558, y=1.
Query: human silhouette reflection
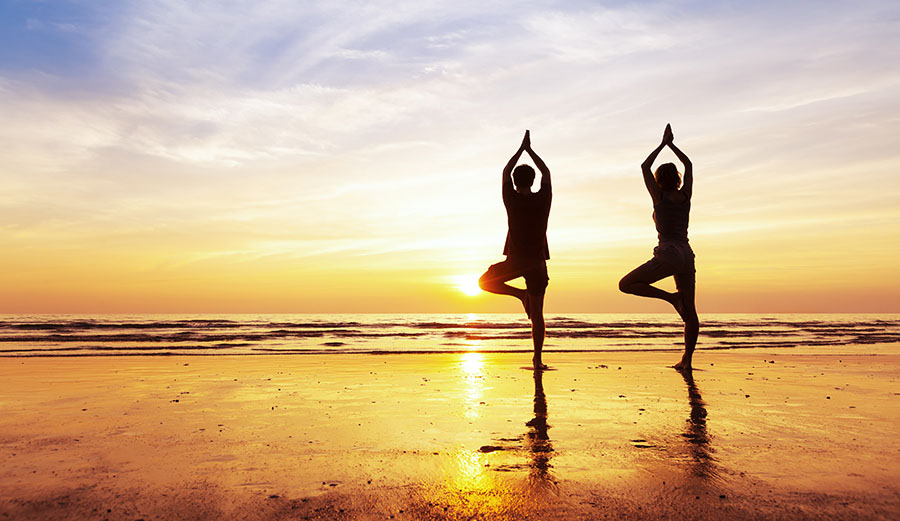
x=537, y=439
x=704, y=465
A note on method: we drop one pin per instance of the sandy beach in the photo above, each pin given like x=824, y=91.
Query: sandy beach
x=754, y=435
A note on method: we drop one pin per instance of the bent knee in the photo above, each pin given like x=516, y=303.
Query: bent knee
x=625, y=285
x=485, y=282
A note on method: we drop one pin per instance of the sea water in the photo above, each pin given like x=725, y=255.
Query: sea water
x=201, y=334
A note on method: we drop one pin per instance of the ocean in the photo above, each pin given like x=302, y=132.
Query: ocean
x=379, y=334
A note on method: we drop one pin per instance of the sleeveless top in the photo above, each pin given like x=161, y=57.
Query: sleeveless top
x=671, y=219
x=527, y=216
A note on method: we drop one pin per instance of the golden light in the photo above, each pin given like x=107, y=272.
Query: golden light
x=468, y=284
x=472, y=363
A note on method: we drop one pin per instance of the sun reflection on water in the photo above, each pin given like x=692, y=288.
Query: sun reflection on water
x=470, y=473
x=518, y=473
x=509, y=480
x=473, y=491
x=472, y=365
x=472, y=362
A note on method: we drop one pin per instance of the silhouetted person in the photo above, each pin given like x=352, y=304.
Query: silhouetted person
x=673, y=256
x=526, y=242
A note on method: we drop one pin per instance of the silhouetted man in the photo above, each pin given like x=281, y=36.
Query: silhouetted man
x=526, y=242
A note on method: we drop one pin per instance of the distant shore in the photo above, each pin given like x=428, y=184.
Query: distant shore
x=754, y=435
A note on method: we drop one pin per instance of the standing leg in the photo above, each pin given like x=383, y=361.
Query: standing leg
x=686, y=284
x=536, y=303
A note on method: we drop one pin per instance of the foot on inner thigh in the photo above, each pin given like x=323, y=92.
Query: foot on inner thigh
x=678, y=303
x=526, y=303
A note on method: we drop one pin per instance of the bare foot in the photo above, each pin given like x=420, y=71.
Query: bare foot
x=683, y=366
x=538, y=365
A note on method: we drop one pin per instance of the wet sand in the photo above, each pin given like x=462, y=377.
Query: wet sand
x=753, y=435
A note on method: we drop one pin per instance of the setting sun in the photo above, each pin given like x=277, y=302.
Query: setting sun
x=468, y=284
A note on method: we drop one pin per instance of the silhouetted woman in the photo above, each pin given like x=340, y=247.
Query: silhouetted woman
x=673, y=256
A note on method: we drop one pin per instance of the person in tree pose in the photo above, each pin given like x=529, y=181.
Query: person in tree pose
x=673, y=256
x=526, y=247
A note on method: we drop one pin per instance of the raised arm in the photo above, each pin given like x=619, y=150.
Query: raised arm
x=507, y=170
x=649, y=180
x=542, y=167
x=687, y=183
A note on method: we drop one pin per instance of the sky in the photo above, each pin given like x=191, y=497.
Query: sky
x=343, y=157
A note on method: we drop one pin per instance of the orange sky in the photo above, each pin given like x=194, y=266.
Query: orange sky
x=297, y=159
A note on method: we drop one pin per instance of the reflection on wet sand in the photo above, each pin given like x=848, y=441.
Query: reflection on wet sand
x=361, y=437
x=476, y=481
x=704, y=465
x=515, y=475
x=472, y=366
x=537, y=439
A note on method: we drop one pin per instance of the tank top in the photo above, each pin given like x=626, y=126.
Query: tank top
x=527, y=216
x=671, y=219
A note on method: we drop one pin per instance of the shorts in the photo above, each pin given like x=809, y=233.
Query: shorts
x=676, y=256
x=670, y=258
x=534, y=273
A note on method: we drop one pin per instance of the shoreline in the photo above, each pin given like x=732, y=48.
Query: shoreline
x=323, y=352
x=407, y=334
x=451, y=436
x=875, y=349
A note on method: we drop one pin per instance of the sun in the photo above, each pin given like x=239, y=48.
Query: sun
x=468, y=284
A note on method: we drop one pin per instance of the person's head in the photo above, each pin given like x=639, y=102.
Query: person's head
x=667, y=177
x=523, y=177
